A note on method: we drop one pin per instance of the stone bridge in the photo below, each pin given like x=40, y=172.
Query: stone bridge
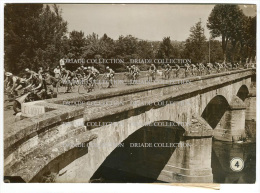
x=73, y=141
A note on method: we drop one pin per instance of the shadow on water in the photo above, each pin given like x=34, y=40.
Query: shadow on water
x=224, y=152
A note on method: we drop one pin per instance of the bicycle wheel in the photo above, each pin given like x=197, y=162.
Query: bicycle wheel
x=61, y=88
x=83, y=88
x=103, y=81
x=127, y=79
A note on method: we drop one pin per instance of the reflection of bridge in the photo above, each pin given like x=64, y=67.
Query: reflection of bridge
x=210, y=105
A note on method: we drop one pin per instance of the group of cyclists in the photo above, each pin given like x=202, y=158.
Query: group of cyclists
x=43, y=82
x=196, y=69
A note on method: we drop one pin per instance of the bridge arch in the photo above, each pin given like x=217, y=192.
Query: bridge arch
x=243, y=92
x=215, y=110
x=84, y=162
x=144, y=154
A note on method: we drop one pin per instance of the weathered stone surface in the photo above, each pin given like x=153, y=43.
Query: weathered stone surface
x=191, y=164
x=198, y=127
x=31, y=109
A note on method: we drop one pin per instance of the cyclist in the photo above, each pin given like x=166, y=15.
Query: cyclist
x=31, y=74
x=89, y=74
x=194, y=67
x=12, y=82
x=201, y=68
x=152, y=71
x=177, y=70
x=22, y=83
x=110, y=75
x=40, y=71
x=236, y=65
x=218, y=67
x=168, y=68
x=209, y=67
x=135, y=72
x=48, y=82
x=95, y=72
x=38, y=88
x=67, y=77
x=225, y=66
x=187, y=66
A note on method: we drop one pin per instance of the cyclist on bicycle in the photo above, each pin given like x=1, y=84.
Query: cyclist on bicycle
x=218, y=66
x=48, y=82
x=40, y=71
x=177, y=70
x=168, y=69
x=22, y=83
x=31, y=74
x=201, y=68
x=135, y=72
x=187, y=66
x=110, y=75
x=95, y=72
x=67, y=77
x=89, y=74
x=13, y=82
x=152, y=71
x=194, y=67
x=38, y=88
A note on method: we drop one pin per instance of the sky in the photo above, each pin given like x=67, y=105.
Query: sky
x=144, y=21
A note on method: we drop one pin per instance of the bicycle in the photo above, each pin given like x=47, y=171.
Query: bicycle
x=128, y=78
x=64, y=86
x=151, y=74
x=86, y=85
x=105, y=81
x=166, y=74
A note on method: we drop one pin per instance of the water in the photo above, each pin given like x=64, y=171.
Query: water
x=222, y=154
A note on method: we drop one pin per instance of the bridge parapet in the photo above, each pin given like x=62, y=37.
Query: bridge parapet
x=23, y=138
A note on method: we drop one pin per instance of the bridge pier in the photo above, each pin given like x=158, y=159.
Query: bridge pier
x=231, y=127
x=191, y=163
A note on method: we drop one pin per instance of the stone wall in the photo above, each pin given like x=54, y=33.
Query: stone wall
x=37, y=142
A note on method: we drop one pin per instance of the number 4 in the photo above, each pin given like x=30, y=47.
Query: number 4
x=237, y=164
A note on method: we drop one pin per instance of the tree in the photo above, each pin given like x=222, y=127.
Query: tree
x=126, y=46
x=33, y=36
x=145, y=49
x=195, y=46
x=107, y=45
x=225, y=20
x=76, y=42
x=250, y=39
x=166, y=49
x=19, y=41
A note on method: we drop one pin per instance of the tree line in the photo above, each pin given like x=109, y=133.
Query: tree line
x=37, y=35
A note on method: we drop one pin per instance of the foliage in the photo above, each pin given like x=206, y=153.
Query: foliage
x=195, y=46
x=33, y=36
x=229, y=22
x=36, y=35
